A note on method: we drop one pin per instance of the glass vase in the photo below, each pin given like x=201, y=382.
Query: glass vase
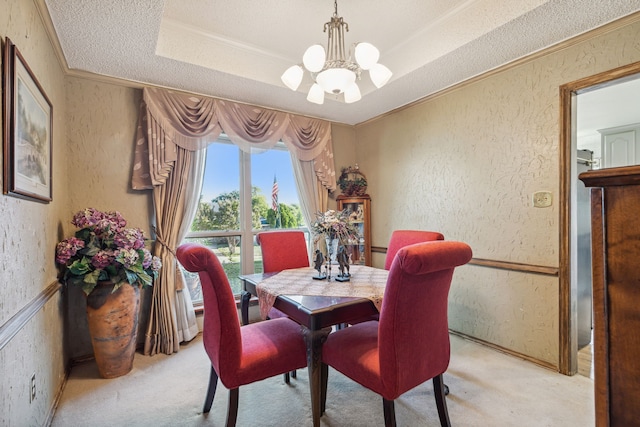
x=332, y=248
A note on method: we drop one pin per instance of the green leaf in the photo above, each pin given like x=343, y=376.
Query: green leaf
x=80, y=267
x=136, y=268
x=83, y=234
x=132, y=277
x=141, y=278
x=93, y=277
x=88, y=287
x=145, y=279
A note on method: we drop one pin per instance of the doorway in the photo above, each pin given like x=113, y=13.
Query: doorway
x=590, y=107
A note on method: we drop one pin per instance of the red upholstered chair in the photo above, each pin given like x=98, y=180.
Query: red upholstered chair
x=401, y=238
x=282, y=250
x=410, y=343
x=239, y=355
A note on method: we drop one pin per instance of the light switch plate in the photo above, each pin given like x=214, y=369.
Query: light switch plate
x=542, y=199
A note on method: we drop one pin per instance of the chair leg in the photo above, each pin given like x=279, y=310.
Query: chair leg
x=441, y=402
x=324, y=380
x=389, y=413
x=211, y=391
x=286, y=377
x=294, y=374
x=232, y=410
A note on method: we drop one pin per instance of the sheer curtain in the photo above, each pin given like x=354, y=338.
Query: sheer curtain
x=174, y=128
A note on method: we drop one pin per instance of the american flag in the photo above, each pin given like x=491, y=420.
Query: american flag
x=274, y=195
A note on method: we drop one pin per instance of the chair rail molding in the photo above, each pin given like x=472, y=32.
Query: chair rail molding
x=12, y=326
x=502, y=265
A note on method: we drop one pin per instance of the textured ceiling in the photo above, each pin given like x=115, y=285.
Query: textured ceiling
x=238, y=49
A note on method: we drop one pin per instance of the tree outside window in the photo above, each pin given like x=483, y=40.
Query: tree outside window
x=217, y=222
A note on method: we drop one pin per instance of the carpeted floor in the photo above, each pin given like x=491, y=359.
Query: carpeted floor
x=488, y=388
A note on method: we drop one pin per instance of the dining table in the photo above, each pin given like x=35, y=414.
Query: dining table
x=317, y=305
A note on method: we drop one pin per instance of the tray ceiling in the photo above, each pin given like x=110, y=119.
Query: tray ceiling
x=238, y=49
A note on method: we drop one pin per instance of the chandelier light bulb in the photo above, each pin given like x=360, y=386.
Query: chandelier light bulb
x=367, y=55
x=316, y=94
x=314, y=58
x=352, y=93
x=335, y=80
x=293, y=77
x=380, y=75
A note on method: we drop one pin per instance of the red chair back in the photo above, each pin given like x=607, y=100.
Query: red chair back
x=282, y=250
x=402, y=238
x=413, y=334
x=221, y=328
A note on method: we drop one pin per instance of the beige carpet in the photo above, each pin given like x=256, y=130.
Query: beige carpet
x=488, y=388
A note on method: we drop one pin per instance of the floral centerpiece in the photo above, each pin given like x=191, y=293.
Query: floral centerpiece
x=104, y=250
x=333, y=224
x=337, y=231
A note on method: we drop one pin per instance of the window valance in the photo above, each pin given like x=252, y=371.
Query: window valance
x=169, y=119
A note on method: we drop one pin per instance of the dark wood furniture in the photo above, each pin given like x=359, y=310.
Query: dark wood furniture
x=316, y=314
x=360, y=206
x=615, y=210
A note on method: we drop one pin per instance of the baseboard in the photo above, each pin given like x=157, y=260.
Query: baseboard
x=501, y=349
x=58, y=396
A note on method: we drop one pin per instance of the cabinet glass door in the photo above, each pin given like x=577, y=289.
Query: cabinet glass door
x=359, y=249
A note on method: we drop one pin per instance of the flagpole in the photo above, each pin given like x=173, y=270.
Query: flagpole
x=274, y=202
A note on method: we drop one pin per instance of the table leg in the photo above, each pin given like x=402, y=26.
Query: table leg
x=325, y=379
x=314, y=340
x=244, y=306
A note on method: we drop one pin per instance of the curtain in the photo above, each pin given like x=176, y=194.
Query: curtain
x=173, y=203
x=174, y=129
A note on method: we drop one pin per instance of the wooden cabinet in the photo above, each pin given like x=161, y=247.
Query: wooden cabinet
x=360, y=208
x=615, y=206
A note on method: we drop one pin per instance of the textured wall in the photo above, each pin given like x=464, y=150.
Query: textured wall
x=466, y=164
x=344, y=153
x=28, y=234
x=101, y=124
x=102, y=121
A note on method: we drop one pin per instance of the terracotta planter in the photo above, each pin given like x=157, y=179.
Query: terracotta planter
x=113, y=325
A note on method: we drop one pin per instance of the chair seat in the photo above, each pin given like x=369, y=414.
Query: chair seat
x=268, y=350
x=355, y=351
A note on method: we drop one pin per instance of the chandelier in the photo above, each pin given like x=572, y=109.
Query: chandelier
x=331, y=71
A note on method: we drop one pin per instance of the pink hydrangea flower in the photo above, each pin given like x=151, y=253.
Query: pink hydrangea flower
x=156, y=264
x=102, y=259
x=147, y=260
x=127, y=257
x=117, y=220
x=87, y=218
x=129, y=238
x=67, y=249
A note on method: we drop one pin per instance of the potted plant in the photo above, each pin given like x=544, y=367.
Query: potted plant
x=110, y=263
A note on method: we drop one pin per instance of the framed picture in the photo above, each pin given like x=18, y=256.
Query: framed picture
x=27, y=117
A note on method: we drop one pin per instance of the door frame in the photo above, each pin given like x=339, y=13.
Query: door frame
x=568, y=360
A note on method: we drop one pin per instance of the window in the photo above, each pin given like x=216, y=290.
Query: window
x=236, y=202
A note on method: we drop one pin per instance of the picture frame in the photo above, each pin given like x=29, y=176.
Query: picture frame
x=27, y=132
